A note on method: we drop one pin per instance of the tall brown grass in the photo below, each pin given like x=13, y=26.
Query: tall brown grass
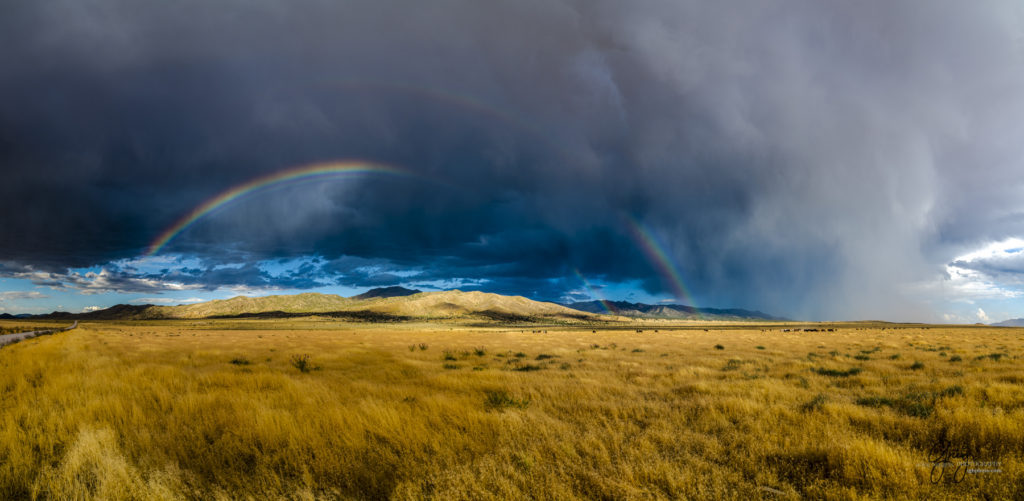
x=170, y=411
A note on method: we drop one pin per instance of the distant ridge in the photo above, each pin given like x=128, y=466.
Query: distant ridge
x=1013, y=322
x=669, y=311
x=393, y=291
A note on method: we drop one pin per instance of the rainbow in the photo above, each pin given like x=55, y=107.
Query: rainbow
x=301, y=173
x=656, y=254
x=593, y=292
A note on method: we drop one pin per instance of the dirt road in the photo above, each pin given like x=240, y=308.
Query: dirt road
x=14, y=338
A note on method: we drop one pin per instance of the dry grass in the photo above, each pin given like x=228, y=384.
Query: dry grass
x=208, y=410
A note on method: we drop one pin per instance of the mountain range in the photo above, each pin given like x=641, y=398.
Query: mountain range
x=8, y=316
x=670, y=311
x=1013, y=322
x=401, y=304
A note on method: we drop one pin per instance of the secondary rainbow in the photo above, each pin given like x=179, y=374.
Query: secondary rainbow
x=295, y=174
x=656, y=254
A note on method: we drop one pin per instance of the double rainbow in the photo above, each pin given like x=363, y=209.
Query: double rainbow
x=295, y=174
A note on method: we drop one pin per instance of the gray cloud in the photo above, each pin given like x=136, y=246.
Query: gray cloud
x=803, y=158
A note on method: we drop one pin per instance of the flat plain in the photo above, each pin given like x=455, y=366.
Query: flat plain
x=320, y=409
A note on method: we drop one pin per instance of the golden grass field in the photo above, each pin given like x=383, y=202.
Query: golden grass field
x=218, y=410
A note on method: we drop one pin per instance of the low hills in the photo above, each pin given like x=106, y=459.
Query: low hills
x=393, y=304
x=388, y=304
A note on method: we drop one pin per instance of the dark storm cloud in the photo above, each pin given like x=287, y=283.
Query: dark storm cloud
x=797, y=157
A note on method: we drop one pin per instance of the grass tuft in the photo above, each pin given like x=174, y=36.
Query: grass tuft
x=498, y=400
x=821, y=371
x=527, y=368
x=815, y=404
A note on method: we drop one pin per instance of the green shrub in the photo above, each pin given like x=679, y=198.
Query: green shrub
x=302, y=363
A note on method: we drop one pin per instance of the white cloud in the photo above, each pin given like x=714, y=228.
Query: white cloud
x=994, y=250
x=101, y=282
x=14, y=295
x=982, y=315
x=985, y=273
x=87, y=309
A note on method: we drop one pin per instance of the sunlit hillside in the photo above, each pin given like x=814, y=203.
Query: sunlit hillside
x=425, y=305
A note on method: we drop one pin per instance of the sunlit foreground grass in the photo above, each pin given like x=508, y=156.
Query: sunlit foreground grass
x=182, y=411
